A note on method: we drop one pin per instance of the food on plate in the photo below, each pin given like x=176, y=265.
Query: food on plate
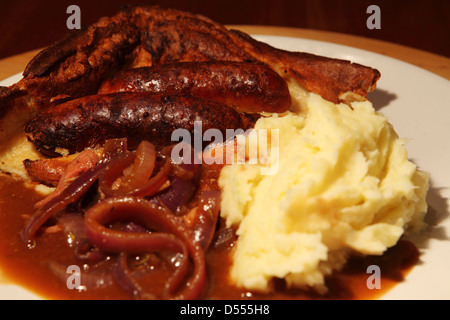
x=247, y=87
x=88, y=135
x=88, y=121
x=343, y=185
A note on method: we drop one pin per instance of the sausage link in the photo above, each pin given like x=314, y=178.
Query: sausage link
x=245, y=86
x=89, y=121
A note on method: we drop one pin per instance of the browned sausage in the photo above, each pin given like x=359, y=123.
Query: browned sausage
x=247, y=87
x=89, y=121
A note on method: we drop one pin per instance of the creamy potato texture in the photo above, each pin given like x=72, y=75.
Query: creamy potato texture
x=343, y=184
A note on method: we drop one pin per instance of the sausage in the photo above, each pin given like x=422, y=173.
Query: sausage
x=88, y=121
x=245, y=86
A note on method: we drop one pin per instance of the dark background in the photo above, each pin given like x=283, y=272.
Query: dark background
x=27, y=25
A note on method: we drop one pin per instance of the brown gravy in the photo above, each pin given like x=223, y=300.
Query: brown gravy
x=28, y=267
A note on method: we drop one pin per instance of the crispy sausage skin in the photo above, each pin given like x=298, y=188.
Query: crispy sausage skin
x=245, y=86
x=89, y=121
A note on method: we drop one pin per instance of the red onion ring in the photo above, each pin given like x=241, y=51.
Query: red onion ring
x=170, y=234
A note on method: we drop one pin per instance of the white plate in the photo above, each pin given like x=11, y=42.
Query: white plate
x=416, y=102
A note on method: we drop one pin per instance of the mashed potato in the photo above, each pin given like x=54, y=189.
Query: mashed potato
x=343, y=184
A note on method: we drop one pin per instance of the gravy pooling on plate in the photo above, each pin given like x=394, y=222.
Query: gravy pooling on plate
x=29, y=268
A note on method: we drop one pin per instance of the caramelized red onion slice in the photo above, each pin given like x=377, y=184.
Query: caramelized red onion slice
x=143, y=166
x=70, y=194
x=134, y=170
x=153, y=185
x=74, y=191
x=184, y=180
x=124, y=277
x=169, y=234
x=84, y=161
x=206, y=217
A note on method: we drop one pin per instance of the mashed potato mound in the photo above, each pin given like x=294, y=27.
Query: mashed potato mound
x=344, y=184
